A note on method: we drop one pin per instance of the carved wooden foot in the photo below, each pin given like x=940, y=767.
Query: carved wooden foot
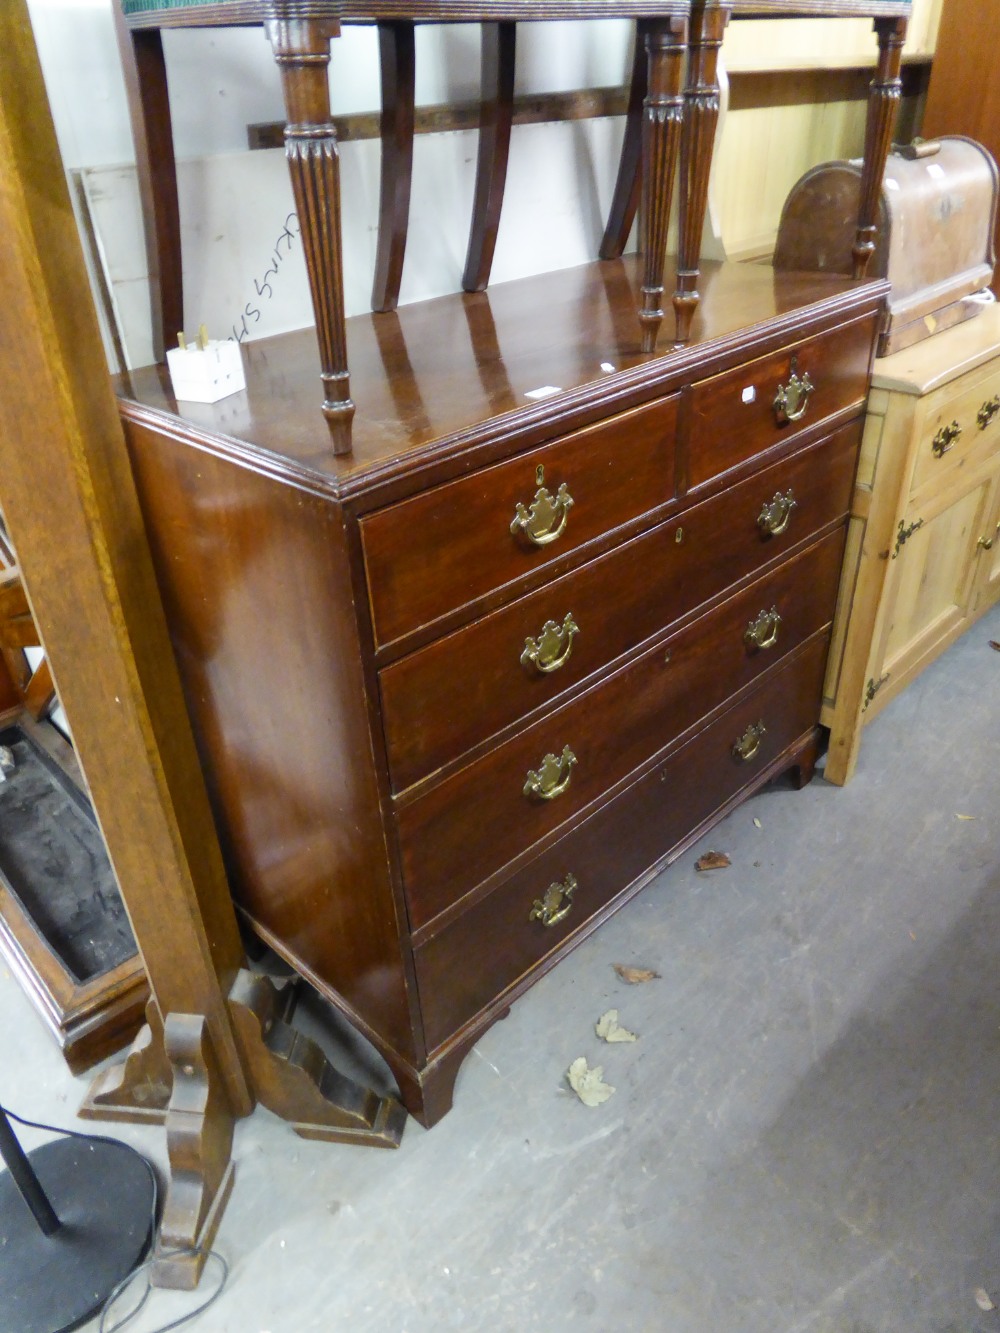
x=199, y=1125
x=302, y=50
x=137, y=1090
x=665, y=47
x=701, y=117
x=291, y=1076
x=494, y=148
x=398, y=71
x=883, y=102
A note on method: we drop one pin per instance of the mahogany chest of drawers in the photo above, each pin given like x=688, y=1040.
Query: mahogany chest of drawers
x=460, y=694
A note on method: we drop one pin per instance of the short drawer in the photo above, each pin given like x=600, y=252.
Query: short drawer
x=440, y=550
x=534, y=915
x=465, y=687
x=738, y=414
x=962, y=423
x=470, y=825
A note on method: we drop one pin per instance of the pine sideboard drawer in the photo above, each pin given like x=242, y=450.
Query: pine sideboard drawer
x=961, y=425
x=465, y=687
x=442, y=549
x=740, y=413
x=529, y=918
x=473, y=823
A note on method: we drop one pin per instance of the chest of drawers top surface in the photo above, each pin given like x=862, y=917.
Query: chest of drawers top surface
x=453, y=383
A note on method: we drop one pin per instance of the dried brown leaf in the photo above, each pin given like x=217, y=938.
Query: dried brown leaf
x=982, y=1298
x=608, y=1028
x=994, y=645
x=635, y=976
x=712, y=861
x=587, y=1083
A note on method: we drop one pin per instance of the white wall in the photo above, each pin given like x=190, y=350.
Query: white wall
x=234, y=203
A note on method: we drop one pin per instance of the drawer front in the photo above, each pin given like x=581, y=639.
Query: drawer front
x=962, y=423
x=734, y=415
x=469, y=826
x=440, y=550
x=496, y=942
x=467, y=686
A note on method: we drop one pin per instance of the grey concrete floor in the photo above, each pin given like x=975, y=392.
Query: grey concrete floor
x=803, y=1138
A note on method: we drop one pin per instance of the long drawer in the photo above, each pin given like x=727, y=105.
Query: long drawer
x=465, y=687
x=495, y=943
x=470, y=825
x=737, y=414
x=444, y=548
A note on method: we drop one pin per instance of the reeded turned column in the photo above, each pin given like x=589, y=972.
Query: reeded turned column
x=883, y=102
x=666, y=41
x=701, y=119
x=302, y=51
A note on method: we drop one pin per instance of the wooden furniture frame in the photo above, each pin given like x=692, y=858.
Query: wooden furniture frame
x=709, y=19
x=216, y=1041
x=300, y=32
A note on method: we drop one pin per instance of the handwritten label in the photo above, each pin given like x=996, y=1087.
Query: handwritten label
x=263, y=288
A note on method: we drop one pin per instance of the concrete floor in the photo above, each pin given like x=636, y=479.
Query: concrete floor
x=803, y=1138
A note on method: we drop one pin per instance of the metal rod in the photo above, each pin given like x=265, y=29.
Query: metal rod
x=24, y=1178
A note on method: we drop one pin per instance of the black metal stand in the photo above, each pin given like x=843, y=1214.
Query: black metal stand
x=76, y=1217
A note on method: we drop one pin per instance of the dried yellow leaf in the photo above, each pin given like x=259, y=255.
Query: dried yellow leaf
x=608, y=1028
x=982, y=1297
x=965, y=816
x=588, y=1083
x=635, y=976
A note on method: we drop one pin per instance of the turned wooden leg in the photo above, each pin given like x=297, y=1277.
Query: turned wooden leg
x=149, y=113
x=665, y=45
x=199, y=1125
x=625, y=200
x=701, y=117
x=291, y=1076
x=398, y=71
x=302, y=50
x=494, y=149
x=883, y=102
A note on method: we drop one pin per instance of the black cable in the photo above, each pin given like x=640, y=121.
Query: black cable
x=146, y=1264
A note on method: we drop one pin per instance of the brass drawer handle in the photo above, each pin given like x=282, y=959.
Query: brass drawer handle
x=986, y=543
x=791, y=400
x=554, y=904
x=763, y=632
x=552, y=648
x=773, y=518
x=947, y=435
x=552, y=776
x=545, y=520
x=749, y=743
x=988, y=411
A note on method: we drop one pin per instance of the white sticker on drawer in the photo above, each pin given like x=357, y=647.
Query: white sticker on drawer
x=890, y=184
x=749, y=394
x=546, y=391
x=936, y=170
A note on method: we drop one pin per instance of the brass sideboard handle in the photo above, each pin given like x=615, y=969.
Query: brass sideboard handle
x=749, y=743
x=551, y=777
x=986, y=543
x=947, y=436
x=791, y=400
x=554, y=904
x=552, y=648
x=988, y=411
x=545, y=520
x=763, y=632
x=773, y=518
